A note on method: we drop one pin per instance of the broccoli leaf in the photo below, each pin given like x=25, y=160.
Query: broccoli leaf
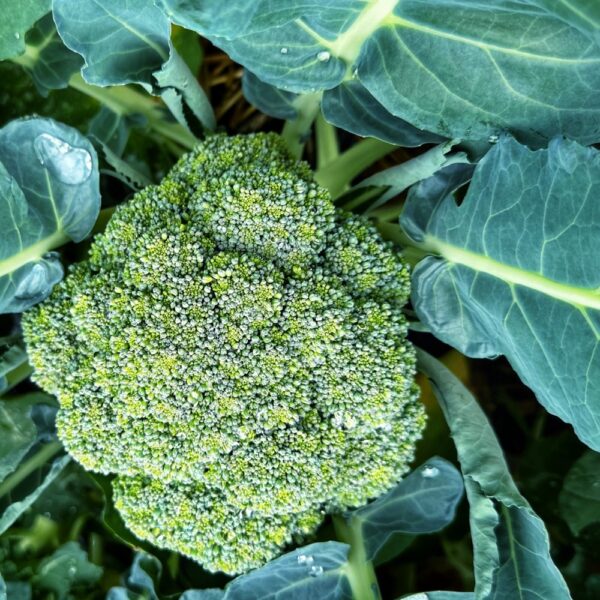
x=140, y=51
x=441, y=596
x=49, y=61
x=511, y=547
x=67, y=568
x=17, y=434
x=208, y=594
x=537, y=71
x=352, y=107
x=17, y=18
x=423, y=502
x=49, y=186
x=516, y=273
x=314, y=571
x=267, y=98
x=580, y=496
x=16, y=509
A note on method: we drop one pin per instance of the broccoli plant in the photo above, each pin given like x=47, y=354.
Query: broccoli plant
x=252, y=257
x=236, y=353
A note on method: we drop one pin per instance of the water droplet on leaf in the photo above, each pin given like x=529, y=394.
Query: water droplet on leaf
x=17, y=35
x=68, y=164
x=493, y=139
x=303, y=559
x=284, y=50
x=430, y=472
x=323, y=56
x=315, y=571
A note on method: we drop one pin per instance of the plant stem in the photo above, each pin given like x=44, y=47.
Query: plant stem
x=18, y=374
x=359, y=570
x=327, y=142
x=122, y=100
x=43, y=455
x=337, y=174
x=296, y=132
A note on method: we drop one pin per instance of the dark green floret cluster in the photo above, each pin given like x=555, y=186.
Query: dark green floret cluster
x=234, y=351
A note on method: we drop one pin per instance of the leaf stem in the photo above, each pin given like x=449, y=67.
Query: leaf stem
x=327, y=142
x=124, y=100
x=359, y=571
x=337, y=174
x=296, y=131
x=37, y=460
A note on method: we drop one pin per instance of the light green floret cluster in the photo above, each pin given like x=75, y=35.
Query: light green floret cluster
x=234, y=351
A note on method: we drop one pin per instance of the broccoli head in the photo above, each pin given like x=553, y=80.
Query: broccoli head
x=234, y=351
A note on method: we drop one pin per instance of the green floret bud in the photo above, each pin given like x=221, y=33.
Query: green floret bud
x=234, y=351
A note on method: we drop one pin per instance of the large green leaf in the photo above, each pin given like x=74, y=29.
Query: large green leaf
x=511, y=547
x=423, y=502
x=18, y=433
x=441, y=596
x=17, y=508
x=517, y=272
x=17, y=18
x=49, y=194
x=461, y=69
x=49, y=61
x=580, y=495
x=314, y=571
x=67, y=569
x=129, y=42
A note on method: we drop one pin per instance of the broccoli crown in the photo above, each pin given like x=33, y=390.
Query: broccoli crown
x=234, y=351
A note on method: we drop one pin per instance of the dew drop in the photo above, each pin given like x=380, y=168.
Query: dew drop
x=493, y=139
x=284, y=50
x=17, y=35
x=315, y=571
x=303, y=559
x=323, y=56
x=70, y=165
x=72, y=571
x=430, y=472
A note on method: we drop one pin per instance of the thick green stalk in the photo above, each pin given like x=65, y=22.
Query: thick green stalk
x=122, y=100
x=359, y=570
x=337, y=174
x=296, y=131
x=327, y=142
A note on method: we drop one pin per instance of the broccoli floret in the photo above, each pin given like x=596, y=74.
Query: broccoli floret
x=234, y=351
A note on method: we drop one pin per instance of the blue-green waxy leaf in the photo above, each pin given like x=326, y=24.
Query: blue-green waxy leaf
x=17, y=18
x=516, y=273
x=459, y=69
x=423, y=502
x=16, y=509
x=579, y=500
x=352, y=107
x=208, y=594
x=314, y=571
x=121, y=42
x=141, y=581
x=49, y=61
x=68, y=567
x=441, y=596
x=49, y=194
x=129, y=42
x=18, y=433
x=511, y=546
x=267, y=98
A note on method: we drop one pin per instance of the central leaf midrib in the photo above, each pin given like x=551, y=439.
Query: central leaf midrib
x=33, y=252
x=578, y=296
